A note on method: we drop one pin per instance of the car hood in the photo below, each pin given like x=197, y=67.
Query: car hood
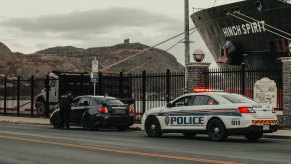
x=153, y=110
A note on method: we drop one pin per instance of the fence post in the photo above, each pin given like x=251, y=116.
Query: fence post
x=168, y=86
x=143, y=91
x=5, y=95
x=47, y=89
x=100, y=81
x=32, y=95
x=18, y=95
x=121, y=85
x=243, y=68
x=82, y=84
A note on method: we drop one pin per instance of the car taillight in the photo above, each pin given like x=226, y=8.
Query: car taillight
x=103, y=110
x=130, y=109
x=246, y=110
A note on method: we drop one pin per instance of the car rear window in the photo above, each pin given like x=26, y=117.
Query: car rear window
x=113, y=102
x=234, y=98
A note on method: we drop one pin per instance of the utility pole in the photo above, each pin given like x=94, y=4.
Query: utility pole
x=187, y=43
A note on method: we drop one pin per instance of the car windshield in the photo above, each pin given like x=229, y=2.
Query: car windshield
x=234, y=98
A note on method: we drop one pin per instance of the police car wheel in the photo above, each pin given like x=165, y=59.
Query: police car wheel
x=87, y=123
x=189, y=134
x=153, y=127
x=55, y=121
x=216, y=130
x=254, y=136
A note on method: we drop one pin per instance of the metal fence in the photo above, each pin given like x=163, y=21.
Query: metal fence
x=242, y=80
x=18, y=96
x=155, y=90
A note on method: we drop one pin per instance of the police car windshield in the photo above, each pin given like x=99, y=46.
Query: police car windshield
x=234, y=98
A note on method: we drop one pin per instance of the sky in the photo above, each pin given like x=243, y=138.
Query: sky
x=28, y=26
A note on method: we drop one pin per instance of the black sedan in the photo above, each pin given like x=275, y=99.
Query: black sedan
x=95, y=111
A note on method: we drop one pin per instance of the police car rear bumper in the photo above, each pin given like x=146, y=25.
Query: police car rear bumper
x=253, y=129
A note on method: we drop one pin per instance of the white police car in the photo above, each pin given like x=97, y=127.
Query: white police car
x=218, y=114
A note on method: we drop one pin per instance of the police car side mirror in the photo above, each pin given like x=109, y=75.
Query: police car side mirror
x=169, y=105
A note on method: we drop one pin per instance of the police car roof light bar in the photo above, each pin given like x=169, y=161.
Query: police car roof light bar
x=198, y=90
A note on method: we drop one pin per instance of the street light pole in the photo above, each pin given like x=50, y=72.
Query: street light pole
x=187, y=43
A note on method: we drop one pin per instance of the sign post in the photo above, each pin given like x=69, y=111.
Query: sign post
x=94, y=74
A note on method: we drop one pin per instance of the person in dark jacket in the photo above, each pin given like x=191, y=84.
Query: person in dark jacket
x=65, y=104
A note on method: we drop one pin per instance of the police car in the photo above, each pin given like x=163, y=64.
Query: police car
x=218, y=114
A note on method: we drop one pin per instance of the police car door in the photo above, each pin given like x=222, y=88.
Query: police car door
x=173, y=114
x=199, y=111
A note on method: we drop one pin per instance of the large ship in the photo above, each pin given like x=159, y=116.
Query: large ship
x=254, y=32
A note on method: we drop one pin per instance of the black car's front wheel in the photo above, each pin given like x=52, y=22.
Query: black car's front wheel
x=87, y=123
x=153, y=127
x=55, y=121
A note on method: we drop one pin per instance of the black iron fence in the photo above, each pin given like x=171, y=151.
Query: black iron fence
x=242, y=80
x=19, y=96
x=155, y=90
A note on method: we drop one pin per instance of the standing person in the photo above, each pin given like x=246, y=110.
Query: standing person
x=66, y=101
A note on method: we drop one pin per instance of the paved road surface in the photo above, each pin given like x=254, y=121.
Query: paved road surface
x=41, y=144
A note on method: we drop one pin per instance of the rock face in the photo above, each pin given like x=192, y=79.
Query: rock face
x=6, y=60
x=139, y=57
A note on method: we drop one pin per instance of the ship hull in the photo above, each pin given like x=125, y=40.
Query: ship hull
x=255, y=32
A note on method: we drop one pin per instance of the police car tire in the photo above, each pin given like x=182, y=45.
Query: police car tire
x=87, y=123
x=55, y=121
x=156, y=132
x=218, y=125
x=189, y=134
x=254, y=136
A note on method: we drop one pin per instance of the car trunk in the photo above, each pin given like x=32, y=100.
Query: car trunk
x=117, y=109
x=263, y=111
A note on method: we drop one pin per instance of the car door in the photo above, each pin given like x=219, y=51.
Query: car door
x=77, y=111
x=173, y=115
x=199, y=110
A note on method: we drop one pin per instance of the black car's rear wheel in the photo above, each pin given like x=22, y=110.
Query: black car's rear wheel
x=254, y=136
x=87, y=123
x=122, y=127
x=55, y=121
x=216, y=130
x=153, y=127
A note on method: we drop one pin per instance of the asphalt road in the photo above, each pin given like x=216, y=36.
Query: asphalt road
x=26, y=144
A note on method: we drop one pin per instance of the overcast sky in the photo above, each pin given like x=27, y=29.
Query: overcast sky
x=30, y=25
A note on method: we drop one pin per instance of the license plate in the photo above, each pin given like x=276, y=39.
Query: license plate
x=266, y=127
x=120, y=111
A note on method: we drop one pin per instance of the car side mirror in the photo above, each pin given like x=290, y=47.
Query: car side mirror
x=169, y=105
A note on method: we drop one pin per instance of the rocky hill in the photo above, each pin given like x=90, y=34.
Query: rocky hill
x=79, y=60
